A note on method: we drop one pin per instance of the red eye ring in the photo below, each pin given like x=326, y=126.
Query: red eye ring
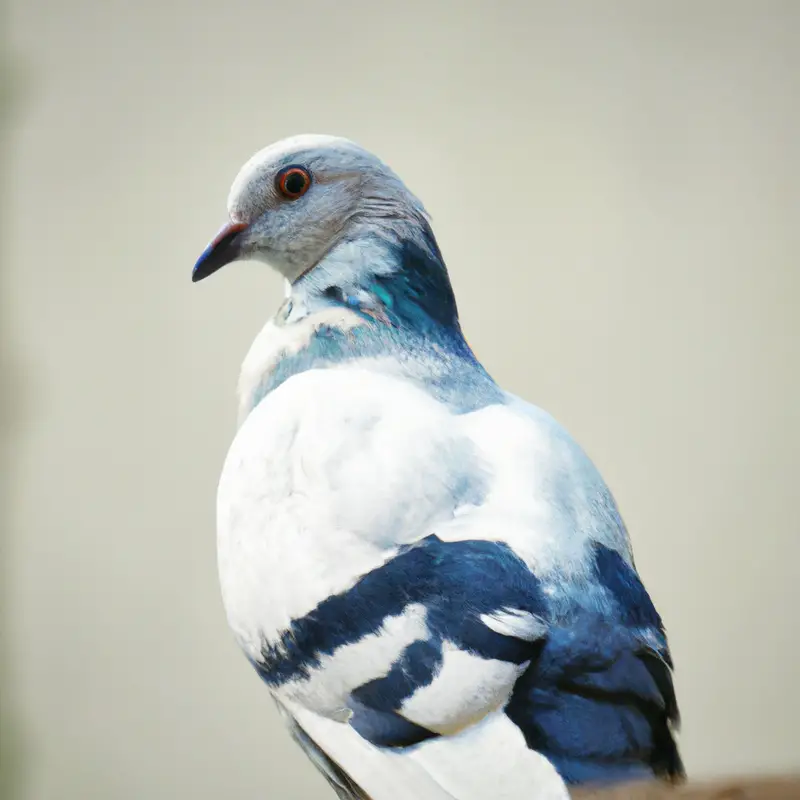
x=293, y=182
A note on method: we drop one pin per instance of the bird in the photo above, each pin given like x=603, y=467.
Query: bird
x=427, y=571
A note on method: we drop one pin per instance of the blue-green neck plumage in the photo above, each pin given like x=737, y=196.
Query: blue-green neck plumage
x=402, y=292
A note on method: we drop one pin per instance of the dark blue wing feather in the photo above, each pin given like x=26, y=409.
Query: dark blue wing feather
x=597, y=698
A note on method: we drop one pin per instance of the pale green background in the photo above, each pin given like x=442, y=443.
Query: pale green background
x=615, y=188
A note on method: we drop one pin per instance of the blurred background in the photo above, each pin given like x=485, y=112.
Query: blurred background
x=615, y=187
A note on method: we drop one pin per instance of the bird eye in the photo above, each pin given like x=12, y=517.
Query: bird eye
x=293, y=182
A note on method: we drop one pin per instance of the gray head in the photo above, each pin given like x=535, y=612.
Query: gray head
x=292, y=202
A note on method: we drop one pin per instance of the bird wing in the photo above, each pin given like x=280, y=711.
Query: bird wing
x=592, y=693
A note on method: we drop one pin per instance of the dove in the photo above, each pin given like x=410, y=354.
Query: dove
x=428, y=573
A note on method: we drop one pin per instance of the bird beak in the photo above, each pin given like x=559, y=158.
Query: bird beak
x=223, y=249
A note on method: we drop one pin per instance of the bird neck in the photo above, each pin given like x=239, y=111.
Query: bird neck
x=377, y=299
x=395, y=275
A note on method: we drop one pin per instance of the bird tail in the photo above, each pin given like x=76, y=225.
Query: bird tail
x=341, y=783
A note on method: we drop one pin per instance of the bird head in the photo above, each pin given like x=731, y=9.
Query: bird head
x=295, y=200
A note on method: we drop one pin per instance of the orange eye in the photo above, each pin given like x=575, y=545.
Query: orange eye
x=293, y=182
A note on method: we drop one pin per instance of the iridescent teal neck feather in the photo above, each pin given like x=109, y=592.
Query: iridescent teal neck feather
x=396, y=270
x=409, y=325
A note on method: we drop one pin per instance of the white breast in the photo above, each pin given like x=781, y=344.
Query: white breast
x=325, y=478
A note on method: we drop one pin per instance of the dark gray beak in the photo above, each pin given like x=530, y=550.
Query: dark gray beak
x=222, y=250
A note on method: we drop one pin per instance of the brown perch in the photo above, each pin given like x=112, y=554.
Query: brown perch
x=778, y=788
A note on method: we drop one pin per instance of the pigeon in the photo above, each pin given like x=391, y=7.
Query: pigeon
x=428, y=573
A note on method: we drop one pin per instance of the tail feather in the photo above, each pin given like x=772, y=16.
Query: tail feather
x=341, y=783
